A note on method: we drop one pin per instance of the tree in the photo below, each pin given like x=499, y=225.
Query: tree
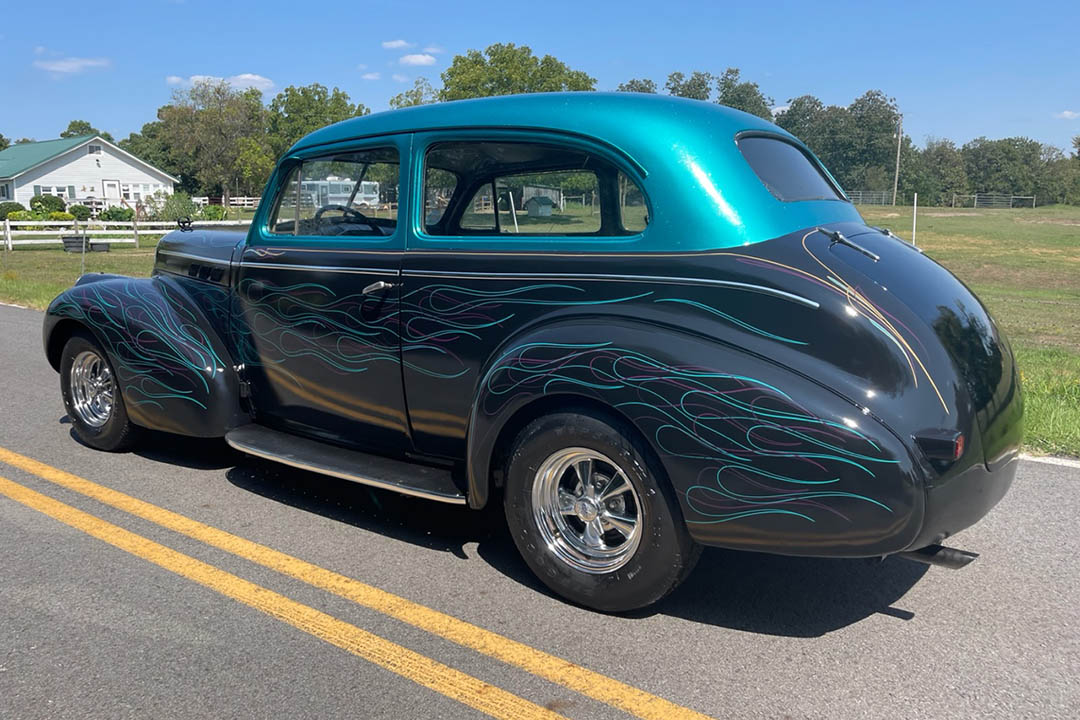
x=1076, y=146
x=4, y=142
x=802, y=118
x=204, y=125
x=1007, y=166
x=254, y=163
x=506, y=69
x=944, y=168
x=744, y=95
x=78, y=128
x=639, y=85
x=24, y=140
x=697, y=87
x=150, y=145
x=297, y=111
x=421, y=93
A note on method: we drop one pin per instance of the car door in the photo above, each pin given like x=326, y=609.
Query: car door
x=317, y=296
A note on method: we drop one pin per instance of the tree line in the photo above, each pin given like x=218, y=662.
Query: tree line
x=220, y=140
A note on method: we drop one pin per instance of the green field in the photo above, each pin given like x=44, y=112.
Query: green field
x=1024, y=264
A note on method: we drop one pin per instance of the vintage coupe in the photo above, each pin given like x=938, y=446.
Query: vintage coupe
x=646, y=324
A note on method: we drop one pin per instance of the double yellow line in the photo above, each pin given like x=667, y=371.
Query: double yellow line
x=416, y=667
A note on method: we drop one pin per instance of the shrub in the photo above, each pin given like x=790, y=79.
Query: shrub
x=61, y=216
x=176, y=206
x=116, y=214
x=21, y=215
x=213, y=212
x=81, y=212
x=47, y=203
x=10, y=207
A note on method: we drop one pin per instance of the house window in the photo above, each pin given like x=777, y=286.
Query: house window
x=3, y=191
x=125, y=190
x=95, y=149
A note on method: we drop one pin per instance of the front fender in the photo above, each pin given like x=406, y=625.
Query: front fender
x=173, y=370
x=759, y=456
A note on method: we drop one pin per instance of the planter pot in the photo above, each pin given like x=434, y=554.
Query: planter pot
x=74, y=243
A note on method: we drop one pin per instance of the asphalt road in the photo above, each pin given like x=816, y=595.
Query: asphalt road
x=92, y=630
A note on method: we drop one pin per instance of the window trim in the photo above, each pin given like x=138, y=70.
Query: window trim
x=423, y=143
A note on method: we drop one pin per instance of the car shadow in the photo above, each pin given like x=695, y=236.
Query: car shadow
x=790, y=596
x=751, y=592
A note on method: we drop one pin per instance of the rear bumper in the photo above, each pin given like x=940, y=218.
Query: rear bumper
x=963, y=500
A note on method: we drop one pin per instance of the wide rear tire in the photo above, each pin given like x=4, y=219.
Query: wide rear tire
x=592, y=513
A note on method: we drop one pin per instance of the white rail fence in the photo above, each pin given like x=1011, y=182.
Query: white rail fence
x=51, y=232
x=249, y=203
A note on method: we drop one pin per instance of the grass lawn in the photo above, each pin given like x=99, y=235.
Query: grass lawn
x=1024, y=264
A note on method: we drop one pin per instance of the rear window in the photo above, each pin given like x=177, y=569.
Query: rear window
x=786, y=170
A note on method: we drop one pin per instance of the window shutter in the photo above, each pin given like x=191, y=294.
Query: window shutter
x=37, y=190
x=71, y=192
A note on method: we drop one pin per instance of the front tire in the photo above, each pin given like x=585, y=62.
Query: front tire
x=593, y=515
x=92, y=396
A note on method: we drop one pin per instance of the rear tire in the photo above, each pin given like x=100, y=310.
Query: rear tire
x=92, y=396
x=613, y=540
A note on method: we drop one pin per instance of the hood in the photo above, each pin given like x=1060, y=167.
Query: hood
x=201, y=254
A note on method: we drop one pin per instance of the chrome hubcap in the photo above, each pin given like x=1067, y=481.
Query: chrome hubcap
x=587, y=510
x=91, y=388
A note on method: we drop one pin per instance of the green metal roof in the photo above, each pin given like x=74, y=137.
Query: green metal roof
x=17, y=159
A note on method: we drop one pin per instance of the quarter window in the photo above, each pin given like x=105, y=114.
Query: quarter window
x=786, y=170
x=346, y=194
x=514, y=188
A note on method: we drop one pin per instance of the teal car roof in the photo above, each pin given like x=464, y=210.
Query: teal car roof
x=702, y=192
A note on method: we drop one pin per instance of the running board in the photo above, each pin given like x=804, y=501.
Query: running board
x=299, y=452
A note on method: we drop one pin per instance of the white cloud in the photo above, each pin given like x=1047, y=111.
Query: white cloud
x=397, y=44
x=71, y=65
x=400, y=78
x=779, y=109
x=243, y=81
x=1067, y=115
x=418, y=59
x=370, y=76
x=434, y=49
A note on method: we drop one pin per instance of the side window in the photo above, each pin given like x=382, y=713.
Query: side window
x=439, y=187
x=633, y=211
x=517, y=188
x=346, y=194
x=479, y=214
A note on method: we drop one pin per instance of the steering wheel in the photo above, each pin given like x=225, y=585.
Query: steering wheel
x=347, y=210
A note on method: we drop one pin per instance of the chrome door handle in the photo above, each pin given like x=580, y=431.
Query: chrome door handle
x=377, y=286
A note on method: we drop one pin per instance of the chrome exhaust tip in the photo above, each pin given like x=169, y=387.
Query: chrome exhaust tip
x=940, y=555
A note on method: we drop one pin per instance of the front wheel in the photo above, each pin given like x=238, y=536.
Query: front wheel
x=92, y=397
x=592, y=515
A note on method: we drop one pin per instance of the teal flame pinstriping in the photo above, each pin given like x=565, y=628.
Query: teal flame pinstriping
x=157, y=344
x=762, y=453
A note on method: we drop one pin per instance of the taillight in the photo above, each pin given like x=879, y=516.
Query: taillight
x=941, y=445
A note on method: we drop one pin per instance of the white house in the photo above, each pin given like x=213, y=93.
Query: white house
x=78, y=169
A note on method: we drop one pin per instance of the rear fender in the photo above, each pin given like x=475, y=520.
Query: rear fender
x=173, y=370
x=759, y=456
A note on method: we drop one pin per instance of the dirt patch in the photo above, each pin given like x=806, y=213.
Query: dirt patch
x=1049, y=221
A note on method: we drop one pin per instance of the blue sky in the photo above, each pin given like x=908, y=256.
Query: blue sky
x=957, y=69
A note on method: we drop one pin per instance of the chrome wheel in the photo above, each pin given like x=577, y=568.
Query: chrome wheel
x=587, y=510
x=91, y=388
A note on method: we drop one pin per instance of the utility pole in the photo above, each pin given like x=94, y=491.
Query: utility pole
x=899, y=138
